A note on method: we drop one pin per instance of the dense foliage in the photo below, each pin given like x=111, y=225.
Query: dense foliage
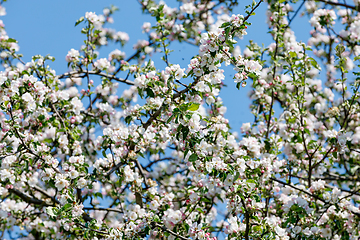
x=158, y=160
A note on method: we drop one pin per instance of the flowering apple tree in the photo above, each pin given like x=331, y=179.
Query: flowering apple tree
x=91, y=163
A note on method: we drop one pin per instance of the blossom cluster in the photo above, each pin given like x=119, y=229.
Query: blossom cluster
x=118, y=148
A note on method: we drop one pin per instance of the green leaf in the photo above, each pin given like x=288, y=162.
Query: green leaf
x=227, y=31
x=237, y=175
x=22, y=90
x=314, y=63
x=103, y=153
x=149, y=92
x=354, y=169
x=185, y=132
x=230, y=43
x=98, y=194
x=128, y=119
x=292, y=54
x=170, y=118
x=193, y=157
x=10, y=40
x=186, y=227
x=193, y=106
x=178, y=131
x=66, y=207
x=156, y=218
x=62, y=130
x=225, y=24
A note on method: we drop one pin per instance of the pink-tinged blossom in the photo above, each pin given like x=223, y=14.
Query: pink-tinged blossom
x=77, y=210
x=116, y=55
x=355, y=30
x=122, y=36
x=72, y=56
x=323, y=16
x=188, y=8
x=146, y=27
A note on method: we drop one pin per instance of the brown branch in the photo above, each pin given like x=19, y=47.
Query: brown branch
x=27, y=198
x=103, y=209
x=46, y=194
x=159, y=160
x=94, y=230
x=339, y=4
x=247, y=220
x=325, y=156
x=299, y=189
x=330, y=178
x=169, y=231
x=111, y=77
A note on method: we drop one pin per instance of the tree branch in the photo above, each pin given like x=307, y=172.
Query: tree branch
x=169, y=231
x=111, y=77
x=339, y=4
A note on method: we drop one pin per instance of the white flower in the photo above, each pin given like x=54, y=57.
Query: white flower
x=129, y=174
x=77, y=104
x=245, y=127
x=154, y=205
x=209, y=166
x=326, y=232
x=81, y=183
x=194, y=197
x=299, y=147
x=6, y=174
x=48, y=174
x=280, y=231
x=2, y=11
x=146, y=26
x=92, y=17
x=342, y=139
x=229, y=180
x=73, y=174
x=188, y=8
x=63, y=141
x=179, y=73
x=2, y=78
x=27, y=97
x=318, y=185
x=133, y=216
x=140, y=81
x=102, y=64
x=61, y=183
x=148, y=49
x=116, y=54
